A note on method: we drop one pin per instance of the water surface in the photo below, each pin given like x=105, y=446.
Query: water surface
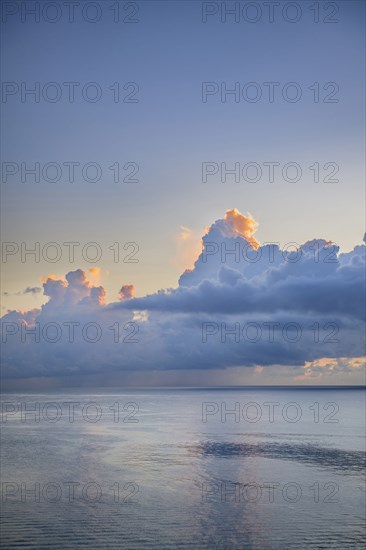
x=163, y=469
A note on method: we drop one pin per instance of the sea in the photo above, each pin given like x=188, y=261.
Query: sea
x=190, y=468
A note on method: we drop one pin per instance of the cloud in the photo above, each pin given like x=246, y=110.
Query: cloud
x=126, y=292
x=236, y=224
x=331, y=367
x=32, y=290
x=94, y=274
x=29, y=290
x=244, y=304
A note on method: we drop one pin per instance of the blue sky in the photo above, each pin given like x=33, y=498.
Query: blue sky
x=170, y=132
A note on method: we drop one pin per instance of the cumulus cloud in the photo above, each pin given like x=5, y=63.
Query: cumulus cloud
x=126, y=292
x=244, y=304
x=236, y=224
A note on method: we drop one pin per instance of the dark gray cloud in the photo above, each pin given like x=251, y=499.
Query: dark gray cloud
x=28, y=290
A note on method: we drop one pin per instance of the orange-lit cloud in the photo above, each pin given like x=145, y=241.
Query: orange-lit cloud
x=98, y=295
x=52, y=277
x=94, y=275
x=331, y=365
x=190, y=244
x=127, y=292
x=242, y=225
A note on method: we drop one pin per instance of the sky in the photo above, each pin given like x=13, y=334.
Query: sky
x=173, y=131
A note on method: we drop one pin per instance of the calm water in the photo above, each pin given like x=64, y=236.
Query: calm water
x=172, y=469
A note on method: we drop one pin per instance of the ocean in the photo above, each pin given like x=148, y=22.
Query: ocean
x=156, y=469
